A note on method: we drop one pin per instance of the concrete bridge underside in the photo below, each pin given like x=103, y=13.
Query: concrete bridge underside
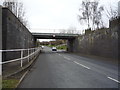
x=54, y=36
x=69, y=37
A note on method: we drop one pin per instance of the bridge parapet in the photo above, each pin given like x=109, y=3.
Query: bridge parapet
x=54, y=35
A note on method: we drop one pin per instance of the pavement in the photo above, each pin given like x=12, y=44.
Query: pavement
x=59, y=69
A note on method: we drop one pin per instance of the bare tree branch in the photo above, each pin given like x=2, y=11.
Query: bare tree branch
x=110, y=13
x=92, y=13
x=17, y=8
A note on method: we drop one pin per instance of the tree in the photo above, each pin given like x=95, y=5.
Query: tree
x=92, y=13
x=70, y=30
x=111, y=13
x=85, y=12
x=63, y=31
x=96, y=15
x=17, y=8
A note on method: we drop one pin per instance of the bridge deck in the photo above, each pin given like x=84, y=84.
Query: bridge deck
x=54, y=36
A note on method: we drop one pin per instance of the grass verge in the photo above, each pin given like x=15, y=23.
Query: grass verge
x=9, y=83
x=64, y=47
x=51, y=45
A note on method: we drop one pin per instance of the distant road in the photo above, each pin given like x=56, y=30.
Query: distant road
x=64, y=70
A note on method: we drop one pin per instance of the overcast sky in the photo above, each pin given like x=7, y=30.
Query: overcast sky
x=52, y=14
x=57, y=14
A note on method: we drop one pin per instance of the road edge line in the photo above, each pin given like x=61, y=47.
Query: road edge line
x=21, y=79
x=113, y=79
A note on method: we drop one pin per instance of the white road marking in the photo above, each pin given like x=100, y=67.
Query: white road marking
x=67, y=58
x=81, y=65
x=59, y=54
x=114, y=79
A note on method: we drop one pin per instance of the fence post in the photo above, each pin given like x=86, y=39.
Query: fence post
x=34, y=52
x=0, y=63
x=30, y=53
x=21, y=58
x=0, y=70
x=1, y=47
x=28, y=56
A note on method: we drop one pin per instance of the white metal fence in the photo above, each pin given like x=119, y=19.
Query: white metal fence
x=33, y=51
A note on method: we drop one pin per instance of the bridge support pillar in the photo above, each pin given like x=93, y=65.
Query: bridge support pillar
x=70, y=45
x=73, y=45
x=0, y=47
x=35, y=42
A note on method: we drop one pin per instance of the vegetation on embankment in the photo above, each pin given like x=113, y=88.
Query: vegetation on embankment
x=51, y=45
x=9, y=83
x=63, y=47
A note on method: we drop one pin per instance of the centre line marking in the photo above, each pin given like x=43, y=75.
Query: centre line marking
x=59, y=54
x=81, y=65
x=67, y=58
x=114, y=79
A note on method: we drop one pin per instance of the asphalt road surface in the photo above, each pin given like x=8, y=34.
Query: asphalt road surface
x=65, y=70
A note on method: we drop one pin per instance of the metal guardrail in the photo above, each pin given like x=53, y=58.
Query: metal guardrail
x=33, y=51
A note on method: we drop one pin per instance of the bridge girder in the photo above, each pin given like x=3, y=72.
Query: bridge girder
x=54, y=36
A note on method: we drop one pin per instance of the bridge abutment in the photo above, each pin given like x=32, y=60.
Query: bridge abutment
x=35, y=42
x=103, y=42
x=14, y=35
x=70, y=45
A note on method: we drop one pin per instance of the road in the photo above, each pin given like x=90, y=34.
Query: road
x=65, y=70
